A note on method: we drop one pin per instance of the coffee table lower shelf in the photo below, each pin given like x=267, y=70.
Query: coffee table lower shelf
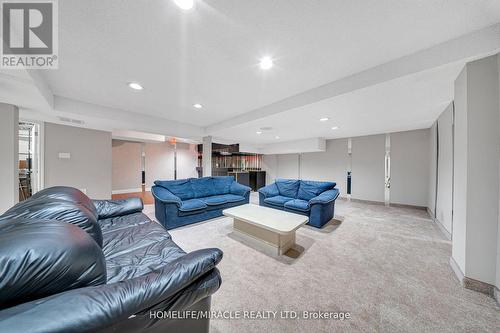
x=268, y=241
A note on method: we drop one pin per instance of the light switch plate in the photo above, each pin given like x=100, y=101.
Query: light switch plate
x=64, y=156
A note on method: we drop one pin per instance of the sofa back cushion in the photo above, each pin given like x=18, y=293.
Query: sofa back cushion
x=47, y=208
x=67, y=194
x=181, y=188
x=43, y=258
x=309, y=189
x=288, y=187
x=222, y=184
x=203, y=187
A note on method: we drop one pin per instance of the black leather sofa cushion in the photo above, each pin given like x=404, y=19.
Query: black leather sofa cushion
x=45, y=258
x=138, y=261
x=147, y=271
x=122, y=222
x=126, y=304
x=66, y=193
x=112, y=208
x=56, y=209
x=122, y=240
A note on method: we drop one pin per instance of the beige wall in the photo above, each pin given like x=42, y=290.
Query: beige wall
x=88, y=168
x=126, y=166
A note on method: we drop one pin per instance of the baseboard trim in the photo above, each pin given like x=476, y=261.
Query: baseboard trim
x=381, y=203
x=407, y=206
x=479, y=286
x=473, y=284
x=456, y=269
x=128, y=190
x=441, y=227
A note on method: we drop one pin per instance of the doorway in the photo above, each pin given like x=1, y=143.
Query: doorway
x=30, y=175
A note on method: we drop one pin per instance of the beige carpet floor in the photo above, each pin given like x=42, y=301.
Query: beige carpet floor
x=388, y=267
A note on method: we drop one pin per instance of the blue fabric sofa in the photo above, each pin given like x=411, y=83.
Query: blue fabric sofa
x=187, y=201
x=306, y=197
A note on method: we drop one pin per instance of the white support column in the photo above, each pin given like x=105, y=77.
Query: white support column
x=349, y=170
x=207, y=156
x=9, y=156
x=387, y=192
x=476, y=176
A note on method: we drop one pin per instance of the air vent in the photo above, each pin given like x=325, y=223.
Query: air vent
x=267, y=128
x=71, y=120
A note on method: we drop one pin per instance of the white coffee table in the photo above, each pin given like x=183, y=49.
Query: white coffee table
x=271, y=230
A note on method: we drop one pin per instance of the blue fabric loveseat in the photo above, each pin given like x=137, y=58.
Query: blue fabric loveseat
x=306, y=197
x=187, y=201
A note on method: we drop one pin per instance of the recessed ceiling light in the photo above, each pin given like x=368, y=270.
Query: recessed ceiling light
x=335, y=128
x=197, y=106
x=324, y=119
x=277, y=137
x=266, y=63
x=184, y=4
x=259, y=132
x=135, y=86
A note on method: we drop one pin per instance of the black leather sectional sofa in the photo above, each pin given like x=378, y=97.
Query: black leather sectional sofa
x=70, y=264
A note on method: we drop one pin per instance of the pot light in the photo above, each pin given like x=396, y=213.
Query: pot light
x=259, y=132
x=184, y=4
x=266, y=63
x=197, y=106
x=277, y=137
x=135, y=86
x=335, y=128
x=324, y=119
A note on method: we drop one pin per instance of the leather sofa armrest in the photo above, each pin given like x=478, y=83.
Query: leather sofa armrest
x=163, y=195
x=111, y=208
x=99, y=307
x=238, y=189
x=270, y=190
x=325, y=197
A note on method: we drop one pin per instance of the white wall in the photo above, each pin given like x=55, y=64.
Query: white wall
x=126, y=166
x=187, y=161
x=270, y=165
x=9, y=163
x=476, y=165
x=460, y=171
x=288, y=166
x=90, y=163
x=444, y=203
x=498, y=232
x=431, y=197
x=368, y=167
x=160, y=161
x=482, y=185
x=331, y=165
x=409, y=171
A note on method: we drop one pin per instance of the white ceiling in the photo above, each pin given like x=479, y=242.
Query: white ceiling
x=209, y=55
x=411, y=102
